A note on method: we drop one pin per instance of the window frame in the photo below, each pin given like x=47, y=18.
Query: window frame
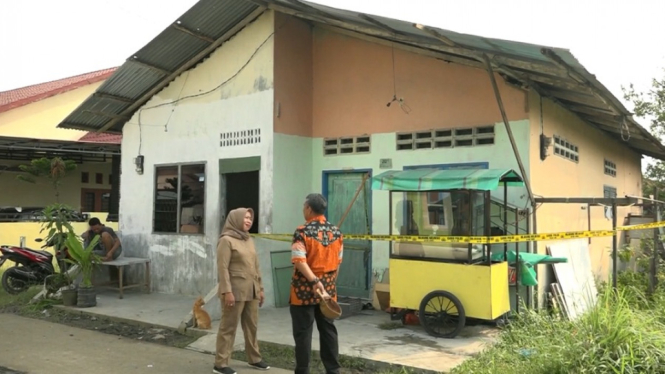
x=610, y=168
x=179, y=165
x=609, y=192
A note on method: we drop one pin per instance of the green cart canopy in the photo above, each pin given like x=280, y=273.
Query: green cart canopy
x=437, y=179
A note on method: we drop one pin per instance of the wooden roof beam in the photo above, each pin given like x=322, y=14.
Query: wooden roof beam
x=193, y=33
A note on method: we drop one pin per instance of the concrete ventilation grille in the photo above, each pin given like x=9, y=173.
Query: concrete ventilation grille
x=445, y=138
x=242, y=137
x=346, y=145
x=566, y=149
x=610, y=168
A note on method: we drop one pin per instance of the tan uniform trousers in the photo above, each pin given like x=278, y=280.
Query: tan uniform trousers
x=247, y=313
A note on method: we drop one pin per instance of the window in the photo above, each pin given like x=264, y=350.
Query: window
x=566, y=149
x=446, y=138
x=610, y=168
x=346, y=145
x=442, y=213
x=85, y=177
x=179, y=199
x=95, y=200
x=110, y=179
x=608, y=193
x=99, y=178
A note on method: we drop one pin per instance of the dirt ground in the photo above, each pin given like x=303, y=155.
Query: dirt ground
x=4, y=370
x=47, y=311
x=276, y=355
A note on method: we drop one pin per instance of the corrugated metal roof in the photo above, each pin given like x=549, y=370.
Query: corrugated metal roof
x=553, y=72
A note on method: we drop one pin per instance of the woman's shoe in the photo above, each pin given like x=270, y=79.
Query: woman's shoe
x=260, y=365
x=224, y=370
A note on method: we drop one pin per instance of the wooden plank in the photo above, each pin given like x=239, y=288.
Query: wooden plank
x=102, y=95
x=136, y=61
x=578, y=77
x=592, y=110
x=379, y=24
x=193, y=33
x=560, y=300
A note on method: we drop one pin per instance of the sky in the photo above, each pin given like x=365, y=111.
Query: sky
x=619, y=41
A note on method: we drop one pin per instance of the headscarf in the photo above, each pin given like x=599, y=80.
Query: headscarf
x=235, y=222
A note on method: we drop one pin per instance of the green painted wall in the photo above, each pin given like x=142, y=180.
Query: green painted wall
x=292, y=180
x=499, y=155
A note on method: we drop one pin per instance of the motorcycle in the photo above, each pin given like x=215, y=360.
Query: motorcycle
x=31, y=267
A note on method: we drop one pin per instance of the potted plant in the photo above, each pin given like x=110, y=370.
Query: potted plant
x=62, y=282
x=86, y=261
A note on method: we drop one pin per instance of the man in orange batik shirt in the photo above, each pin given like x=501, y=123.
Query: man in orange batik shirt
x=316, y=253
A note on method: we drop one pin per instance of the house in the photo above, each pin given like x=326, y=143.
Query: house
x=258, y=103
x=28, y=130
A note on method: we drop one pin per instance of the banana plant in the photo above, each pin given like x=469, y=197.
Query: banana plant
x=83, y=257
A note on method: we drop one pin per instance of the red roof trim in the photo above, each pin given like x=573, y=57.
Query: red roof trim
x=26, y=95
x=93, y=137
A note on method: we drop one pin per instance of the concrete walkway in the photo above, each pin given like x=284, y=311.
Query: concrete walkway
x=39, y=347
x=364, y=335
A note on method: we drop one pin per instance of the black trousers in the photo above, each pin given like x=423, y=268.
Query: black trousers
x=302, y=320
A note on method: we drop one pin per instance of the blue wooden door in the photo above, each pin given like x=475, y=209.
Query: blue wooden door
x=355, y=272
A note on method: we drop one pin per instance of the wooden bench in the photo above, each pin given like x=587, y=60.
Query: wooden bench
x=120, y=263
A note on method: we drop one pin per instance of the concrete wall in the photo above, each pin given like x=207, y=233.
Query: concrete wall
x=39, y=119
x=350, y=80
x=560, y=177
x=498, y=156
x=353, y=81
x=190, y=132
x=19, y=193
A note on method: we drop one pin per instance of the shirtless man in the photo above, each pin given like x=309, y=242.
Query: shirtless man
x=109, y=246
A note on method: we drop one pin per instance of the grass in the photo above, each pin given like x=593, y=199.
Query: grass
x=283, y=356
x=20, y=304
x=390, y=325
x=44, y=310
x=624, y=333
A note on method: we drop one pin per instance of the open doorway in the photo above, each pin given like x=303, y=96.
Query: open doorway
x=242, y=190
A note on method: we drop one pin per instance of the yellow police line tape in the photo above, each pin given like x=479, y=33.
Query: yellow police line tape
x=485, y=239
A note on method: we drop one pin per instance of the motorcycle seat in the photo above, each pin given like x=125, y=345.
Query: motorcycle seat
x=39, y=253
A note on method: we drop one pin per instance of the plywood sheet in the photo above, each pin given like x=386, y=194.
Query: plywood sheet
x=575, y=277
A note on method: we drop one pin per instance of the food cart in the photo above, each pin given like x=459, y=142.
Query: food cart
x=439, y=272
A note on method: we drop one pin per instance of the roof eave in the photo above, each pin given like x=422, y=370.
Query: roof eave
x=552, y=72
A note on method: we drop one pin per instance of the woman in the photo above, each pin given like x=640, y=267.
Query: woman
x=240, y=290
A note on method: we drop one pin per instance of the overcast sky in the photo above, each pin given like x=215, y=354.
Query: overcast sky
x=618, y=40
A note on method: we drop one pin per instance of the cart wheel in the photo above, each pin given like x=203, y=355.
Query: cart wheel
x=442, y=314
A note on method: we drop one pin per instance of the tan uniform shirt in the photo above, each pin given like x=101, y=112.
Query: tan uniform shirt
x=238, y=269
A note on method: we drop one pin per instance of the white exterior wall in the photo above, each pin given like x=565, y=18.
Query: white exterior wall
x=190, y=132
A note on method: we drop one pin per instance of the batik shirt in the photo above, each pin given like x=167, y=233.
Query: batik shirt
x=319, y=244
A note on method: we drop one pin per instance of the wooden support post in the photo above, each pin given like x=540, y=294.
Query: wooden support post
x=614, y=246
x=509, y=131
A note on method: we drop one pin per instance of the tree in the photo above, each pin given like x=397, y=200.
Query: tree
x=650, y=105
x=53, y=170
